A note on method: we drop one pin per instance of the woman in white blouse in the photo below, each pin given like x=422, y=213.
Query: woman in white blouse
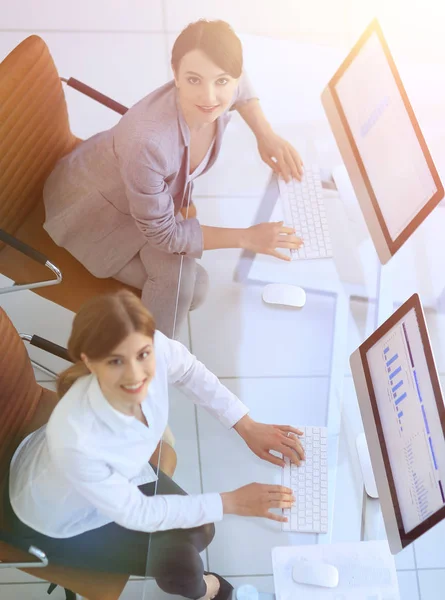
x=82, y=487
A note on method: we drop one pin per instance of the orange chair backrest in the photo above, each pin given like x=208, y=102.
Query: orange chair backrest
x=34, y=128
x=20, y=394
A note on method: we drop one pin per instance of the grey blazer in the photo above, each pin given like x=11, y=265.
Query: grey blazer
x=123, y=187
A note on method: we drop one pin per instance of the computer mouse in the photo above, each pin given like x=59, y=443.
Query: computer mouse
x=312, y=572
x=284, y=294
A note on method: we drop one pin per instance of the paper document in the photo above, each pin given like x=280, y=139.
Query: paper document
x=366, y=570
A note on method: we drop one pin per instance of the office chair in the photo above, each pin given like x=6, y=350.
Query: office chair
x=25, y=406
x=34, y=134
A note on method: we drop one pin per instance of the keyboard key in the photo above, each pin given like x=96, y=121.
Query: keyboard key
x=306, y=528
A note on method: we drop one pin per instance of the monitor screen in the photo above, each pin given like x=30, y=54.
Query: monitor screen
x=385, y=137
x=409, y=413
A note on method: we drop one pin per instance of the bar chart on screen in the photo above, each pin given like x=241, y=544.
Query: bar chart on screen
x=396, y=381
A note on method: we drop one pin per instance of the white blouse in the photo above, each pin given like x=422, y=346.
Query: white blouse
x=82, y=469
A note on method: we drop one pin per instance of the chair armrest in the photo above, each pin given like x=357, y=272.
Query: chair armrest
x=17, y=542
x=95, y=95
x=43, y=344
x=10, y=240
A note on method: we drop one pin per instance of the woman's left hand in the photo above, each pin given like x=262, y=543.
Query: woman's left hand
x=280, y=155
x=262, y=438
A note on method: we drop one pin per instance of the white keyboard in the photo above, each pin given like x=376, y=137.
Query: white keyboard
x=303, y=208
x=309, y=483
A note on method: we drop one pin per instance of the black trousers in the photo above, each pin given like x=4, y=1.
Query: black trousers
x=171, y=557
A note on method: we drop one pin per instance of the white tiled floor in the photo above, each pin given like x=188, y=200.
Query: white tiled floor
x=432, y=584
x=102, y=15
x=408, y=586
x=112, y=51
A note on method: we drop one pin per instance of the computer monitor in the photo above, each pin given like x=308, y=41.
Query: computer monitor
x=403, y=414
x=382, y=146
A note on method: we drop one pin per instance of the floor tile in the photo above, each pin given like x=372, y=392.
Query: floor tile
x=264, y=584
x=29, y=591
x=228, y=464
x=429, y=548
x=255, y=16
x=285, y=19
x=142, y=590
x=16, y=576
x=405, y=559
x=435, y=321
x=432, y=584
x=182, y=421
x=117, y=65
x=290, y=342
x=102, y=15
x=362, y=322
x=408, y=586
x=348, y=492
x=148, y=589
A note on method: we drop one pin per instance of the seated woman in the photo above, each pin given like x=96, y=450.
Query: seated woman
x=82, y=489
x=115, y=201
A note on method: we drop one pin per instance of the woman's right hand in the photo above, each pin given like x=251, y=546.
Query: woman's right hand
x=255, y=500
x=265, y=238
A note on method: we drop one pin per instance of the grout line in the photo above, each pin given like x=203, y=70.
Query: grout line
x=248, y=575
x=237, y=377
x=92, y=31
x=201, y=482
x=417, y=572
x=253, y=196
x=424, y=569
x=43, y=583
x=166, y=34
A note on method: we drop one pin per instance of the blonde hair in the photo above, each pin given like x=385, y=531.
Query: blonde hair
x=101, y=324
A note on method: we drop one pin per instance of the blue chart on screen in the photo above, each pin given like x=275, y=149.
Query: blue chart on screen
x=396, y=382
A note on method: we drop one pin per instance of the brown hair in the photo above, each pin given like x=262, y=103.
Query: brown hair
x=101, y=324
x=216, y=39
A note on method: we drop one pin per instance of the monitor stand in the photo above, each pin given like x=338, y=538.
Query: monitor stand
x=365, y=463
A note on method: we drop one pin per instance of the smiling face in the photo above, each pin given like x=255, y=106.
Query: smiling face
x=205, y=90
x=125, y=375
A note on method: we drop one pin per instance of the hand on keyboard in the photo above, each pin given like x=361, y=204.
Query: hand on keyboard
x=265, y=238
x=256, y=500
x=280, y=155
x=261, y=438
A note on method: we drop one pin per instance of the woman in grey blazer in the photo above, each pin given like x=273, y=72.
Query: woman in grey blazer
x=117, y=202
